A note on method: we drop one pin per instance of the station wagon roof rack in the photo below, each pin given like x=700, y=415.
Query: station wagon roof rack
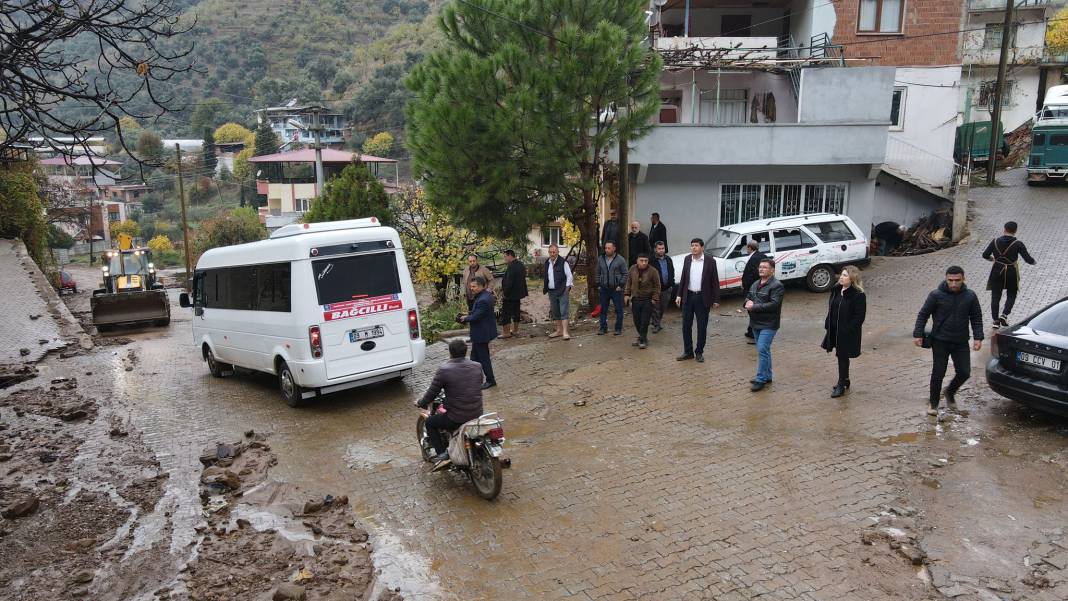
x=296, y=229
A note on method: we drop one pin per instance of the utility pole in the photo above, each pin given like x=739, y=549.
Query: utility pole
x=185, y=223
x=999, y=91
x=317, y=130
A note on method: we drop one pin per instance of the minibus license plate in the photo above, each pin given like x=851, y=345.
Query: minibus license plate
x=366, y=334
x=1045, y=362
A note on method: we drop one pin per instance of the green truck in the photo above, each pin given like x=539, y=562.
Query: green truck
x=1048, y=160
x=973, y=139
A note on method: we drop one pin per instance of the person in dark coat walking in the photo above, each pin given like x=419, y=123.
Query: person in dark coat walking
x=610, y=232
x=751, y=274
x=461, y=379
x=845, y=316
x=666, y=268
x=764, y=303
x=513, y=291
x=483, y=327
x=1005, y=251
x=952, y=306
x=698, y=294
x=657, y=232
x=638, y=243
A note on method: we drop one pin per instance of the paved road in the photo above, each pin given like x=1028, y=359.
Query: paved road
x=27, y=323
x=673, y=481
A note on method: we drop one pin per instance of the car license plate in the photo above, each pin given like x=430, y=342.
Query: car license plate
x=366, y=334
x=1043, y=362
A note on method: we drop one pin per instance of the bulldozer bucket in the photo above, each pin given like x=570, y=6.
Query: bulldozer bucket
x=130, y=307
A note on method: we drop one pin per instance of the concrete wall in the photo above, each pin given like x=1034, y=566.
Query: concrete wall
x=929, y=122
x=898, y=201
x=687, y=197
x=853, y=95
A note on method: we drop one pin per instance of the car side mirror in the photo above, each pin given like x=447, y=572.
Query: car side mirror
x=183, y=300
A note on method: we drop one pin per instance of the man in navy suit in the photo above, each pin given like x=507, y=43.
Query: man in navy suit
x=483, y=327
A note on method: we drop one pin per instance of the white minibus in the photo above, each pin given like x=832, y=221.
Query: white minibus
x=323, y=306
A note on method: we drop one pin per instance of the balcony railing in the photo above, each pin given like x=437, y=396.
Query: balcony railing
x=731, y=47
x=1051, y=57
x=985, y=5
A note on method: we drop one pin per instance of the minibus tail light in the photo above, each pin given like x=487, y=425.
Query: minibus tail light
x=413, y=324
x=315, y=339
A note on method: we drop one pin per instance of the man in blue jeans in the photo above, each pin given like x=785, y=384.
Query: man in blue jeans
x=611, y=276
x=764, y=303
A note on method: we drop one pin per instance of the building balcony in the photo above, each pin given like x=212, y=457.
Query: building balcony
x=728, y=47
x=1052, y=58
x=978, y=6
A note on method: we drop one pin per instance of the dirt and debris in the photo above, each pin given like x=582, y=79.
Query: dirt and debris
x=264, y=539
x=13, y=374
x=1019, y=141
x=932, y=232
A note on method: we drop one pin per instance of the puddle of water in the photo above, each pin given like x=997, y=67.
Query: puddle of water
x=971, y=442
x=360, y=455
x=904, y=438
x=396, y=567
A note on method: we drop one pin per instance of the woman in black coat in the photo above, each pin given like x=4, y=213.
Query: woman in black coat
x=845, y=316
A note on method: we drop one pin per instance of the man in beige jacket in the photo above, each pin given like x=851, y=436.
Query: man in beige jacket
x=474, y=269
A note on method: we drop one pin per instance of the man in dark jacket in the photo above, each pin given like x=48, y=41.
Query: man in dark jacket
x=643, y=285
x=764, y=303
x=889, y=234
x=698, y=294
x=1005, y=251
x=953, y=306
x=513, y=291
x=611, y=277
x=483, y=327
x=610, y=231
x=750, y=275
x=461, y=379
x=657, y=232
x=637, y=243
x=666, y=269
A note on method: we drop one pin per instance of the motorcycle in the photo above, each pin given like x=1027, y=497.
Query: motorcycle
x=475, y=448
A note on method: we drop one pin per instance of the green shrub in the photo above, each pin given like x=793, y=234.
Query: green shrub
x=21, y=213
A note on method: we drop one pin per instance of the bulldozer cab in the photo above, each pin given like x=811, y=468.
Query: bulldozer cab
x=127, y=270
x=131, y=292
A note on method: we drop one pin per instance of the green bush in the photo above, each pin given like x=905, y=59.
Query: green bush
x=21, y=213
x=441, y=317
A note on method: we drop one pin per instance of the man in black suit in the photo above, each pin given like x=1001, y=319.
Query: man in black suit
x=698, y=294
x=750, y=275
x=657, y=233
x=513, y=291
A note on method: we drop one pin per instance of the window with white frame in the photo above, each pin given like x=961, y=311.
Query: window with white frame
x=727, y=107
x=897, y=109
x=880, y=16
x=550, y=235
x=748, y=202
x=301, y=205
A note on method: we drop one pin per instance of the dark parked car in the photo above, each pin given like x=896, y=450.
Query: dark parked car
x=1030, y=360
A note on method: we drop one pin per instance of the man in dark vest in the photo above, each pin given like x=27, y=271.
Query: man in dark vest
x=513, y=291
x=1005, y=251
x=557, y=282
x=750, y=275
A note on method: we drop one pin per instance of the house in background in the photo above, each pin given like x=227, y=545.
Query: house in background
x=292, y=123
x=1032, y=67
x=541, y=237
x=288, y=180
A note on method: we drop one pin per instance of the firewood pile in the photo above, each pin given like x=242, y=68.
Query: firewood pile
x=931, y=233
x=1019, y=141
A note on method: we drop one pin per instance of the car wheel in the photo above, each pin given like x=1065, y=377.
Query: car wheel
x=820, y=278
x=287, y=384
x=217, y=368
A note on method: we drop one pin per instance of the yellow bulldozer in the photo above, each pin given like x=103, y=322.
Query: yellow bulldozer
x=131, y=292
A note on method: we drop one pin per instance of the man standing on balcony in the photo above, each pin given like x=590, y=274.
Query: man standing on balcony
x=657, y=232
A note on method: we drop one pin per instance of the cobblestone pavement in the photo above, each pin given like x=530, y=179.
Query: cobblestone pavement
x=672, y=481
x=27, y=321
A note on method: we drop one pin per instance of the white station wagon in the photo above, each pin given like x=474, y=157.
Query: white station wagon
x=814, y=247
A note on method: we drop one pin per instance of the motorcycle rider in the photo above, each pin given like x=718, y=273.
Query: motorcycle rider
x=461, y=379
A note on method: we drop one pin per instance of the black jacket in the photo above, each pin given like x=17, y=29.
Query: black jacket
x=461, y=379
x=1005, y=252
x=845, y=316
x=481, y=318
x=752, y=269
x=669, y=281
x=658, y=233
x=888, y=230
x=638, y=244
x=767, y=304
x=514, y=283
x=610, y=232
x=951, y=313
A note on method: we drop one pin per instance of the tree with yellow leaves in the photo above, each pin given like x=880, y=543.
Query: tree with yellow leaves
x=1057, y=33
x=379, y=145
x=435, y=246
x=160, y=244
x=229, y=133
x=128, y=227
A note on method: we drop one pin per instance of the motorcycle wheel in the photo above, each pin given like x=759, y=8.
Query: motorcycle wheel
x=422, y=440
x=486, y=474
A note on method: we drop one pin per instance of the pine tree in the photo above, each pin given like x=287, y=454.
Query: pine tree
x=558, y=83
x=208, y=159
x=266, y=140
x=353, y=194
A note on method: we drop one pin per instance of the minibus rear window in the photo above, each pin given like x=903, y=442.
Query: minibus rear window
x=352, y=278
